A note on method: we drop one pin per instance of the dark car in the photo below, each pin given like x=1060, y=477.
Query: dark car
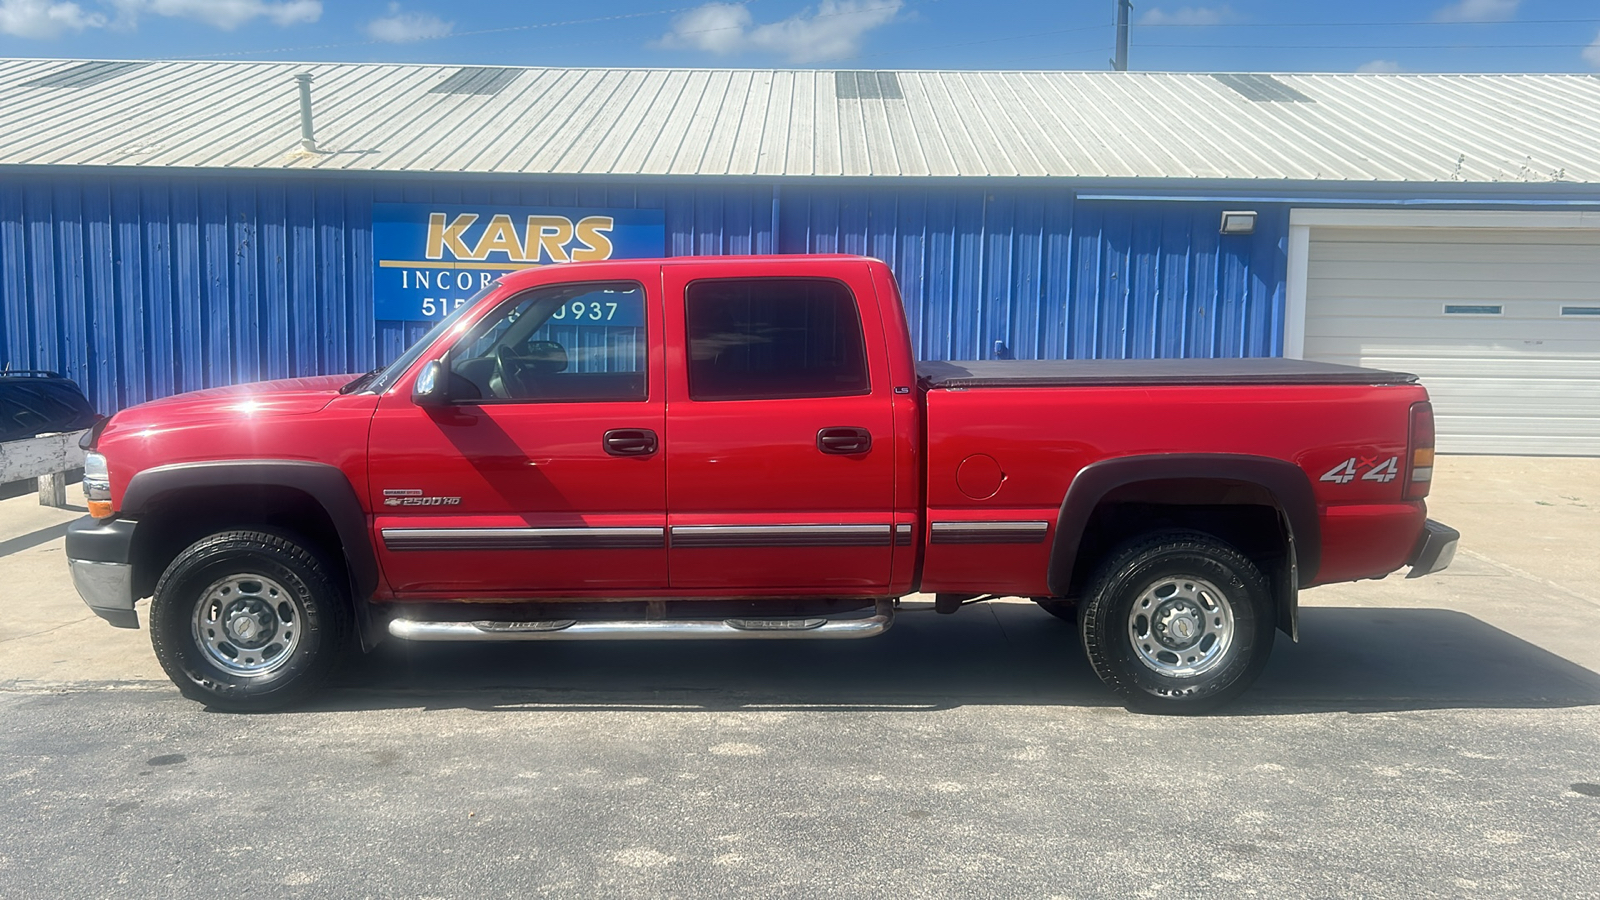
x=34, y=403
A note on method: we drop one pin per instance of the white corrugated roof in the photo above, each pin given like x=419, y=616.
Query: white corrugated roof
x=393, y=118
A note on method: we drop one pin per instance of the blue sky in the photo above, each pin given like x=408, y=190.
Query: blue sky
x=1242, y=35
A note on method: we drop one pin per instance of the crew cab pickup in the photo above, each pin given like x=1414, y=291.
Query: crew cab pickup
x=744, y=448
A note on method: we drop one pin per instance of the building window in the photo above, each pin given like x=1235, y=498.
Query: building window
x=770, y=338
x=1461, y=309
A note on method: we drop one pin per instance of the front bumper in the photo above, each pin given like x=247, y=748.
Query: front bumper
x=98, y=555
x=1435, y=549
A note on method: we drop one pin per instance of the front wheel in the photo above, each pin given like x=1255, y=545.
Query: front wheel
x=246, y=621
x=1177, y=623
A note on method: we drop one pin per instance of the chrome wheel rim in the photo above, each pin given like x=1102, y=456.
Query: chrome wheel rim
x=248, y=625
x=1181, y=627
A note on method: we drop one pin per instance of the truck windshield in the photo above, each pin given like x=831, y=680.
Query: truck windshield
x=386, y=376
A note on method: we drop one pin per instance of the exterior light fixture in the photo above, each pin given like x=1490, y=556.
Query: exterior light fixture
x=1239, y=221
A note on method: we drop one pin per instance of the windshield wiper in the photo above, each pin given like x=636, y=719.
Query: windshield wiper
x=361, y=381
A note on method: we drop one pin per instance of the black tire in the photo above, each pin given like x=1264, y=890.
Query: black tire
x=246, y=621
x=1202, y=643
x=1064, y=610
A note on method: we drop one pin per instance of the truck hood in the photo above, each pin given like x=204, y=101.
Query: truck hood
x=288, y=397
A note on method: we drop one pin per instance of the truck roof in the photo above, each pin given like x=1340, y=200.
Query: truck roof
x=598, y=268
x=1116, y=372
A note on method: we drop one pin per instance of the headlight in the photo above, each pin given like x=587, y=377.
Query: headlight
x=97, y=485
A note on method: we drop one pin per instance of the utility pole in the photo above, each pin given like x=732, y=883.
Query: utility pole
x=1120, y=63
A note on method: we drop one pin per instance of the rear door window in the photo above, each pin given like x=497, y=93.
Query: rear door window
x=773, y=338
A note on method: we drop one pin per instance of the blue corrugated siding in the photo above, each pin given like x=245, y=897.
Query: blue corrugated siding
x=1051, y=278
x=140, y=286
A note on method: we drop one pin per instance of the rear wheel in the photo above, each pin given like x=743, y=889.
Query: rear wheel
x=248, y=620
x=1177, y=623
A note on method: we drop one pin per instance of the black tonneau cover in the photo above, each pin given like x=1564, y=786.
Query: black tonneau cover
x=1134, y=372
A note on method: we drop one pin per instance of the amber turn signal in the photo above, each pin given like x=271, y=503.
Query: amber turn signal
x=1420, y=478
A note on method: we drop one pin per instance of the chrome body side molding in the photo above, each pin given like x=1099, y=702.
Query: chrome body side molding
x=398, y=539
x=698, y=536
x=682, y=536
x=1030, y=532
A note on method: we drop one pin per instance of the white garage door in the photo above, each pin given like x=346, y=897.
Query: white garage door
x=1503, y=326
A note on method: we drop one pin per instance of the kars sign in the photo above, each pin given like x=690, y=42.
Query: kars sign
x=430, y=258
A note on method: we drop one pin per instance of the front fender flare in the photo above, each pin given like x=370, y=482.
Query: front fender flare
x=323, y=483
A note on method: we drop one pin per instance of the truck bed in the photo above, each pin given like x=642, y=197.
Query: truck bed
x=1139, y=372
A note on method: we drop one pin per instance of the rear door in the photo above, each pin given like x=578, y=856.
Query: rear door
x=780, y=462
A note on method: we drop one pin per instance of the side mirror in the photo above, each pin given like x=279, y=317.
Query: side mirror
x=429, y=389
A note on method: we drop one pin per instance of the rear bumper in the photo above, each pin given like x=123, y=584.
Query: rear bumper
x=98, y=557
x=1435, y=549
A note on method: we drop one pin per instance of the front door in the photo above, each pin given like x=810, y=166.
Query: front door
x=546, y=474
x=780, y=468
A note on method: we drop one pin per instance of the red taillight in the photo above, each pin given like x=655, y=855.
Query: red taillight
x=1419, y=474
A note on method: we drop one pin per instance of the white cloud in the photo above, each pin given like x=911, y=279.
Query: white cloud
x=225, y=14
x=1591, y=53
x=404, y=27
x=835, y=30
x=716, y=27
x=1478, y=11
x=1380, y=65
x=44, y=18
x=1187, y=15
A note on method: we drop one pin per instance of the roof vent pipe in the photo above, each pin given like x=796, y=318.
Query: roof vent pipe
x=308, y=139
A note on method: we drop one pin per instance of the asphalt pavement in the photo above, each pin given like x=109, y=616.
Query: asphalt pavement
x=1431, y=737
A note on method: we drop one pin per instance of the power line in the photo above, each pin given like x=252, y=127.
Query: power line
x=855, y=12
x=479, y=31
x=898, y=4
x=1369, y=46
x=894, y=5
x=453, y=34
x=1058, y=54
x=1357, y=24
x=998, y=40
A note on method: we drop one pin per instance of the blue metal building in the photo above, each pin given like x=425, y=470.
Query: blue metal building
x=1041, y=215
x=141, y=285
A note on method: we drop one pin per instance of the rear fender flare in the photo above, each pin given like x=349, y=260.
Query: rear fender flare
x=1288, y=485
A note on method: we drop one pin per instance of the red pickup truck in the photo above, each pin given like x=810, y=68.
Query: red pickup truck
x=744, y=448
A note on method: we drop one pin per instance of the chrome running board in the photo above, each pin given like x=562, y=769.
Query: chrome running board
x=737, y=629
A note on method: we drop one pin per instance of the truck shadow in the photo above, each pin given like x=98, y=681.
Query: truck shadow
x=1349, y=659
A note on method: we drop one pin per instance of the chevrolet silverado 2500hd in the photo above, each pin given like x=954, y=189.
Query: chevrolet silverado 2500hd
x=744, y=448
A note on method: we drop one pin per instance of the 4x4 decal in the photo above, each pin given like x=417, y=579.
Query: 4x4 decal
x=1381, y=472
